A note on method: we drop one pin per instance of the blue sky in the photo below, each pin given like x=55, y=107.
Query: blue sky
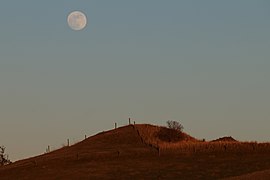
x=203, y=63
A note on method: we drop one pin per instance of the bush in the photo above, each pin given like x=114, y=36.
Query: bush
x=3, y=157
x=169, y=135
x=175, y=125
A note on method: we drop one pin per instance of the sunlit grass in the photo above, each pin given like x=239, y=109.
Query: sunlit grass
x=148, y=134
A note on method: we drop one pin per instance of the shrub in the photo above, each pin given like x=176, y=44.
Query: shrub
x=175, y=125
x=3, y=157
x=169, y=135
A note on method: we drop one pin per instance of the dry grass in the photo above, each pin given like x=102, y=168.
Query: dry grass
x=258, y=175
x=131, y=152
x=148, y=134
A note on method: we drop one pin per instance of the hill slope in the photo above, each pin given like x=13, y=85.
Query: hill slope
x=225, y=139
x=134, y=152
x=77, y=160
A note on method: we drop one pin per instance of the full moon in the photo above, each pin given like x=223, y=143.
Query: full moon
x=77, y=20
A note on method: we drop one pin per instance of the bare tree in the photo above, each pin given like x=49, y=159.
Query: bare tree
x=175, y=125
x=3, y=157
x=171, y=133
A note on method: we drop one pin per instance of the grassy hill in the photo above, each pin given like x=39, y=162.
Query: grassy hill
x=141, y=152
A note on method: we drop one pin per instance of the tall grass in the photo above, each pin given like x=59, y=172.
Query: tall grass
x=148, y=134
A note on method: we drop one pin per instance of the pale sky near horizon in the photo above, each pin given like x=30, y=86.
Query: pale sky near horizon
x=203, y=63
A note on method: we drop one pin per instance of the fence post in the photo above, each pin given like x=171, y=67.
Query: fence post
x=84, y=136
x=67, y=142
x=129, y=121
x=115, y=125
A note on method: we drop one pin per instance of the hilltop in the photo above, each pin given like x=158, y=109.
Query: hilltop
x=141, y=152
x=225, y=139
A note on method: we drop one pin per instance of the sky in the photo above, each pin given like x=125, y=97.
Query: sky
x=202, y=63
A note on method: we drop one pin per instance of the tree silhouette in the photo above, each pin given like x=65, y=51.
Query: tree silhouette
x=3, y=157
x=175, y=125
x=171, y=133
